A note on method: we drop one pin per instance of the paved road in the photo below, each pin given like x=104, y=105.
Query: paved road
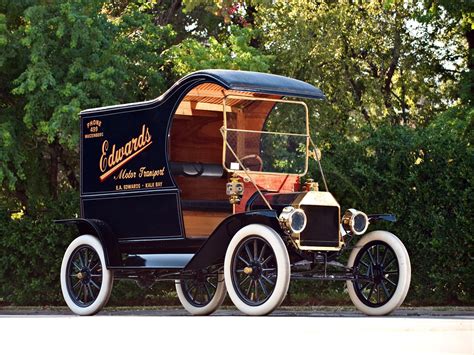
x=319, y=311
x=287, y=331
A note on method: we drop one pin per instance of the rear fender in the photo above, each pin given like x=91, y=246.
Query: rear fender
x=100, y=230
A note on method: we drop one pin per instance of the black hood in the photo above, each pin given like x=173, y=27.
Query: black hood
x=278, y=201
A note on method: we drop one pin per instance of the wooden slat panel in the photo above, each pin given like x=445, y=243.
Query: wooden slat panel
x=270, y=183
x=196, y=140
x=195, y=188
x=188, y=107
x=201, y=224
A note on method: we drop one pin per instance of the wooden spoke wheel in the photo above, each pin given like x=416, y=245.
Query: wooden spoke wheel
x=203, y=294
x=257, y=270
x=382, y=268
x=85, y=281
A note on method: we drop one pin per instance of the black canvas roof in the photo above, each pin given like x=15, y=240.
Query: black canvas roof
x=238, y=80
x=259, y=82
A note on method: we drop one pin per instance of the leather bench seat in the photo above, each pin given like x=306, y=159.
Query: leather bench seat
x=206, y=205
x=194, y=169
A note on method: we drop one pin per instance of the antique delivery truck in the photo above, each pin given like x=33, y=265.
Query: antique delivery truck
x=205, y=186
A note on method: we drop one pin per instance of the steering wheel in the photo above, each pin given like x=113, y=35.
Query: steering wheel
x=256, y=157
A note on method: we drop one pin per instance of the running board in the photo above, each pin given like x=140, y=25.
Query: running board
x=323, y=277
x=156, y=261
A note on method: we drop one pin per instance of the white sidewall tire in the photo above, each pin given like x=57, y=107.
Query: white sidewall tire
x=211, y=307
x=283, y=266
x=107, y=276
x=404, y=273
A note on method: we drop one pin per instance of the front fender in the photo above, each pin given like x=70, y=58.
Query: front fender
x=214, y=248
x=382, y=217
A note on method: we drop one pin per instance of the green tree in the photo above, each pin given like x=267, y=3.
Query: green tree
x=234, y=52
x=462, y=12
x=69, y=56
x=57, y=58
x=396, y=130
x=373, y=60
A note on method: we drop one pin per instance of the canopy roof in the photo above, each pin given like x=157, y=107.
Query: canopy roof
x=226, y=82
x=263, y=83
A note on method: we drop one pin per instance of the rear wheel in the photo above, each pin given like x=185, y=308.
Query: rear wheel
x=202, y=294
x=382, y=266
x=257, y=270
x=86, y=283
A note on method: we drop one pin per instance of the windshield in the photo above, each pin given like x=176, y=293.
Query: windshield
x=263, y=135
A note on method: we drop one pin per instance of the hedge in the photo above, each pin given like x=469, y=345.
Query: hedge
x=423, y=175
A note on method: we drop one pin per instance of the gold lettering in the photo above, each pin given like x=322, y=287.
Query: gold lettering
x=103, y=157
x=151, y=173
x=110, y=162
x=128, y=148
x=141, y=137
x=131, y=186
x=148, y=136
x=119, y=155
x=125, y=174
x=94, y=135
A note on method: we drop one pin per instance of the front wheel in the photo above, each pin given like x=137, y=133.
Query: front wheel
x=203, y=294
x=382, y=268
x=86, y=283
x=257, y=270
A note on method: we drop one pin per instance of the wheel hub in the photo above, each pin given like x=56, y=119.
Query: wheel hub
x=256, y=270
x=248, y=270
x=84, y=275
x=378, y=273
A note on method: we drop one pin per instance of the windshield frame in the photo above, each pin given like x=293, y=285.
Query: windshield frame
x=225, y=130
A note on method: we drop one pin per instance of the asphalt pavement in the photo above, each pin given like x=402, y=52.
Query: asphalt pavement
x=319, y=311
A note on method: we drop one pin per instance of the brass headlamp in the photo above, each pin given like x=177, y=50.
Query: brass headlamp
x=355, y=221
x=292, y=219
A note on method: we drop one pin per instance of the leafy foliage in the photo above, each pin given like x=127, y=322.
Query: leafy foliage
x=396, y=130
x=31, y=251
x=373, y=60
x=234, y=53
x=424, y=177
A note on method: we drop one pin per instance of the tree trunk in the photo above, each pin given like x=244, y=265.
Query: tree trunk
x=470, y=43
x=387, y=88
x=470, y=58
x=53, y=169
x=164, y=17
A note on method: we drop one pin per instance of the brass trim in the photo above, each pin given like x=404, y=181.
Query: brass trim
x=318, y=160
x=307, y=135
x=267, y=132
x=297, y=242
x=246, y=171
x=310, y=198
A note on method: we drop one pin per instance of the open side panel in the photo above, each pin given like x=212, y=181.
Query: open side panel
x=195, y=152
x=195, y=145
